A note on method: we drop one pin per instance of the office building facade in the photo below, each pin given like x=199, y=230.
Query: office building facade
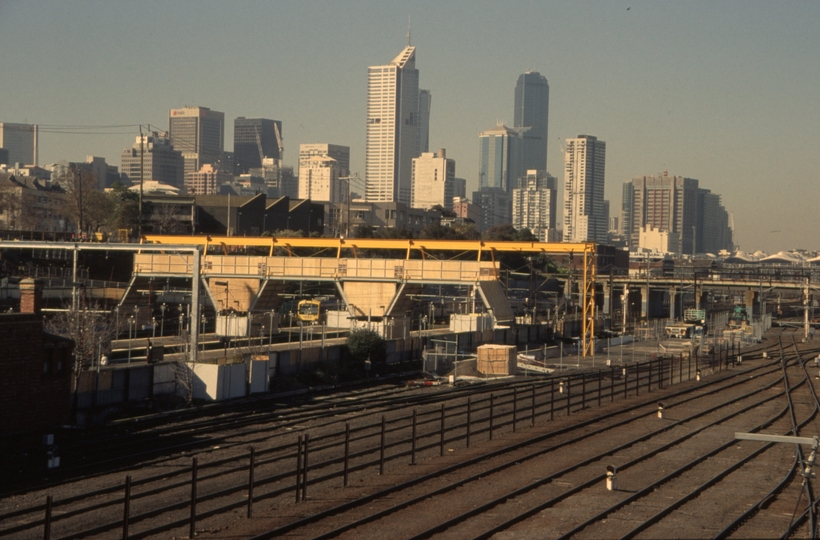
x=392, y=128
x=199, y=134
x=336, y=151
x=319, y=180
x=21, y=141
x=206, y=181
x=531, y=118
x=154, y=156
x=499, y=161
x=676, y=205
x=433, y=180
x=425, y=104
x=584, y=213
x=255, y=139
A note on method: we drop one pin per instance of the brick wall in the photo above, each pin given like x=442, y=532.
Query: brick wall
x=35, y=376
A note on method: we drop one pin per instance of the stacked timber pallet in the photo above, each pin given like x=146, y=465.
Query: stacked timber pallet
x=497, y=359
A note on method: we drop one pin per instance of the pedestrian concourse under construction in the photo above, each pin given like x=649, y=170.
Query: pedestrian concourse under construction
x=373, y=277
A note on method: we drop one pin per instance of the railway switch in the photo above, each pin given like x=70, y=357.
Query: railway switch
x=697, y=375
x=660, y=410
x=611, y=478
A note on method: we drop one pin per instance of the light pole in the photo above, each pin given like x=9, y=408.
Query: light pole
x=153, y=327
x=203, y=320
x=131, y=324
x=270, y=329
x=290, y=324
x=162, y=321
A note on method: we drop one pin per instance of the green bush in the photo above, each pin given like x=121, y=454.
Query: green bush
x=365, y=344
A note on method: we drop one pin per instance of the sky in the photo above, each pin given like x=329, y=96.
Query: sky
x=724, y=92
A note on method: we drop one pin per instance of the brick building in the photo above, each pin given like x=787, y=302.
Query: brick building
x=35, y=389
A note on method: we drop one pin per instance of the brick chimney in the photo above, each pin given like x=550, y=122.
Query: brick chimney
x=31, y=295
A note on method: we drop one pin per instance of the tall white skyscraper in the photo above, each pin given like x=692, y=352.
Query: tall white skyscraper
x=392, y=128
x=584, y=213
x=433, y=180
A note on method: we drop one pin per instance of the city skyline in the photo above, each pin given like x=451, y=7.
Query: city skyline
x=701, y=90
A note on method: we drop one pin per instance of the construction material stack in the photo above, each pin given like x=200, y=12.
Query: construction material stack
x=497, y=359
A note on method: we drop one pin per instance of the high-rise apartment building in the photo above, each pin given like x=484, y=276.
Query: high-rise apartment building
x=255, y=139
x=392, y=128
x=199, y=134
x=425, y=104
x=534, y=204
x=21, y=141
x=336, y=151
x=433, y=180
x=584, y=213
x=532, y=98
x=319, y=180
x=154, y=155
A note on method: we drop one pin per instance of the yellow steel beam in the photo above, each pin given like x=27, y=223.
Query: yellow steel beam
x=373, y=243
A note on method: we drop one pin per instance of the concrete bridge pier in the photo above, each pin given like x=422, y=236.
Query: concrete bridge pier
x=673, y=291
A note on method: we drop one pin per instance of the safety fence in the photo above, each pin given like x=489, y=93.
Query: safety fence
x=296, y=467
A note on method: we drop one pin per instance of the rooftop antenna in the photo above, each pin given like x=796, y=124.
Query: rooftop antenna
x=408, y=30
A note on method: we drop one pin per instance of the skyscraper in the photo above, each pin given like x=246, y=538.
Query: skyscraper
x=433, y=180
x=255, y=139
x=199, y=134
x=425, y=104
x=584, y=214
x=532, y=97
x=499, y=164
x=392, y=128
x=21, y=142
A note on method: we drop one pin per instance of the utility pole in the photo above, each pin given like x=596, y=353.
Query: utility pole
x=80, y=182
x=142, y=175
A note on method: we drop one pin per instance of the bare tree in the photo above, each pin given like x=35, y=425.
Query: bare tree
x=82, y=197
x=166, y=217
x=92, y=329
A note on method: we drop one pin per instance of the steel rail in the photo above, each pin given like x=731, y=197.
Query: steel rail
x=766, y=499
x=485, y=390
x=388, y=491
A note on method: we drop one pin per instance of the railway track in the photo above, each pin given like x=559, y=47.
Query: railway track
x=160, y=493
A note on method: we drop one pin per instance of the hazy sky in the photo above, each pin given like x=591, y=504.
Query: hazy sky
x=725, y=92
